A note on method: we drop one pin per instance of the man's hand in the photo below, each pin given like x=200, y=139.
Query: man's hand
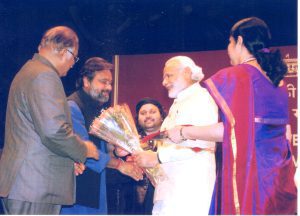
x=145, y=159
x=131, y=169
x=120, y=152
x=79, y=168
x=92, y=151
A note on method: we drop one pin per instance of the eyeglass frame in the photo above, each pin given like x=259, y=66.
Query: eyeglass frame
x=76, y=58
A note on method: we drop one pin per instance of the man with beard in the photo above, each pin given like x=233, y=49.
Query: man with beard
x=190, y=164
x=95, y=85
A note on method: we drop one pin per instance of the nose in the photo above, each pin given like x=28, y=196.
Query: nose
x=147, y=114
x=109, y=86
x=164, y=82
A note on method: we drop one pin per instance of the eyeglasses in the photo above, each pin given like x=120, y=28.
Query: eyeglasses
x=76, y=59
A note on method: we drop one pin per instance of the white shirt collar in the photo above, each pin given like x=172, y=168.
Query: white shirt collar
x=187, y=91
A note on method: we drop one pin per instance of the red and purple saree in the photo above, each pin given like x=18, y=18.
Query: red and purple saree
x=256, y=175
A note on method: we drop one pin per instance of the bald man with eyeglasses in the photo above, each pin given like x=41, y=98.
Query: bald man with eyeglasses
x=37, y=173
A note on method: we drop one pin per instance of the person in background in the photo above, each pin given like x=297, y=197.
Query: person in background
x=94, y=88
x=149, y=117
x=37, y=164
x=256, y=173
x=189, y=166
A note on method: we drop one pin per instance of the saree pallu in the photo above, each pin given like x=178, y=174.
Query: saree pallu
x=256, y=172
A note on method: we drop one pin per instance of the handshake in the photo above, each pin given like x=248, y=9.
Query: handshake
x=144, y=159
x=128, y=168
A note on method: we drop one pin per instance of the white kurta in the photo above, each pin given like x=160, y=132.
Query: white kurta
x=190, y=176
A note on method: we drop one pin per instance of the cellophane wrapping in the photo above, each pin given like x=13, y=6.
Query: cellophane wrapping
x=117, y=127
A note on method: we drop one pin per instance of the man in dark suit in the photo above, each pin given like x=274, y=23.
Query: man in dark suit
x=37, y=165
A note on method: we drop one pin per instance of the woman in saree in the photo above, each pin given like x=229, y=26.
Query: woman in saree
x=256, y=170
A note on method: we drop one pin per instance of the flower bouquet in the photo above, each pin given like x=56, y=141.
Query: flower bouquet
x=116, y=126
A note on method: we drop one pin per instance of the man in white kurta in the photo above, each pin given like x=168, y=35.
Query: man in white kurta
x=188, y=188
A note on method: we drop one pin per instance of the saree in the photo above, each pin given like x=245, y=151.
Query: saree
x=255, y=170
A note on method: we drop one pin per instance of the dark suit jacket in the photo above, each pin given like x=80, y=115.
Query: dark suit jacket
x=40, y=146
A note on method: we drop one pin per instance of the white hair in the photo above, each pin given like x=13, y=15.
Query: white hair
x=185, y=61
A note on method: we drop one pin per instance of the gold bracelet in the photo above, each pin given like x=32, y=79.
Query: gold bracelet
x=181, y=135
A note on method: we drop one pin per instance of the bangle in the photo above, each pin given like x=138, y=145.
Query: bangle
x=119, y=164
x=181, y=135
x=159, y=161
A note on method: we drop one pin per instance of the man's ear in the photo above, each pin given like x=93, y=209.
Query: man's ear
x=86, y=82
x=187, y=71
x=62, y=53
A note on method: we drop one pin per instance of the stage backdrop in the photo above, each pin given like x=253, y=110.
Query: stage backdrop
x=139, y=76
